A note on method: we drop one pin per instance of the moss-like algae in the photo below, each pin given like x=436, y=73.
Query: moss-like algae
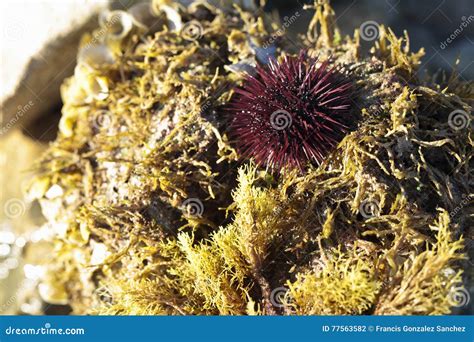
x=130, y=157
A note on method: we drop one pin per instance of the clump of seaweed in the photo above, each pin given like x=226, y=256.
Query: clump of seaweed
x=156, y=216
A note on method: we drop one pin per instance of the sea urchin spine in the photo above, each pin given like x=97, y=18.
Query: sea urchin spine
x=290, y=112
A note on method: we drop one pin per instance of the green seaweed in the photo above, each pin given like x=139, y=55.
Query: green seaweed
x=128, y=162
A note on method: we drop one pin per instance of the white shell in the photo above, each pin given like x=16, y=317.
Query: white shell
x=143, y=15
x=174, y=19
x=263, y=54
x=246, y=66
x=54, y=191
x=94, y=56
x=117, y=23
x=98, y=88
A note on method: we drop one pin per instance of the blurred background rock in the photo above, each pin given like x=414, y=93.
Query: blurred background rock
x=429, y=23
x=38, y=48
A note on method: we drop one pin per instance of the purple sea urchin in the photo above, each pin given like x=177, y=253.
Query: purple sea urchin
x=290, y=112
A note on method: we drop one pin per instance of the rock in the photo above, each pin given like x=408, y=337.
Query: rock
x=38, y=51
x=430, y=24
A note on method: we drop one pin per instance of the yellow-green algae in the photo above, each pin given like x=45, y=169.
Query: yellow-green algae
x=128, y=159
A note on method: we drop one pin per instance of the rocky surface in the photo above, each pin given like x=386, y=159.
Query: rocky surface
x=39, y=49
x=444, y=28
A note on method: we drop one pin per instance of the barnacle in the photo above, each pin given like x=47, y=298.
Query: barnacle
x=156, y=216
